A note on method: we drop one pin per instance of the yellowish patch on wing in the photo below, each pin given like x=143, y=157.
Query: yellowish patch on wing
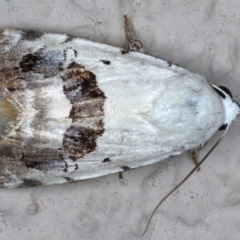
x=8, y=110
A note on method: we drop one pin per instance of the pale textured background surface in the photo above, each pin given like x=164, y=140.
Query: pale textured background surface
x=202, y=36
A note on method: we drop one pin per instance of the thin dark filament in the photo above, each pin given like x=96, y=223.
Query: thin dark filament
x=183, y=181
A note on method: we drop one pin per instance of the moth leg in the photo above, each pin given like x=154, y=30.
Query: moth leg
x=120, y=175
x=134, y=43
x=194, y=157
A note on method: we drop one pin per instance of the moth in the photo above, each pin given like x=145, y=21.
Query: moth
x=73, y=109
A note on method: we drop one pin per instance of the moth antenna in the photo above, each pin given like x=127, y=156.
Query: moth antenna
x=128, y=29
x=183, y=181
x=134, y=43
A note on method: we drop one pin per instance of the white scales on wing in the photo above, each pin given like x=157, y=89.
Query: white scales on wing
x=83, y=109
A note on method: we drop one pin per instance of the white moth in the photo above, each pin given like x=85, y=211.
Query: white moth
x=72, y=109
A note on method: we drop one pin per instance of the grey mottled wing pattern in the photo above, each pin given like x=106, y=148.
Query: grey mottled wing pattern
x=37, y=82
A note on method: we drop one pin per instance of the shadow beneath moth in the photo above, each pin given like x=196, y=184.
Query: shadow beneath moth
x=72, y=109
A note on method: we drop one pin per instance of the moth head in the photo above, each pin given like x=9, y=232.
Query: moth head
x=231, y=108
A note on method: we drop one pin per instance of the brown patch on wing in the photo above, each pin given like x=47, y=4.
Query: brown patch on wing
x=80, y=141
x=30, y=183
x=40, y=155
x=31, y=35
x=22, y=68
x=80, y=87
x=46, y=62
x=42, y=159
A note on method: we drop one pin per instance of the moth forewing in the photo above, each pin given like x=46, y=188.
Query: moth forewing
x=73, y=109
